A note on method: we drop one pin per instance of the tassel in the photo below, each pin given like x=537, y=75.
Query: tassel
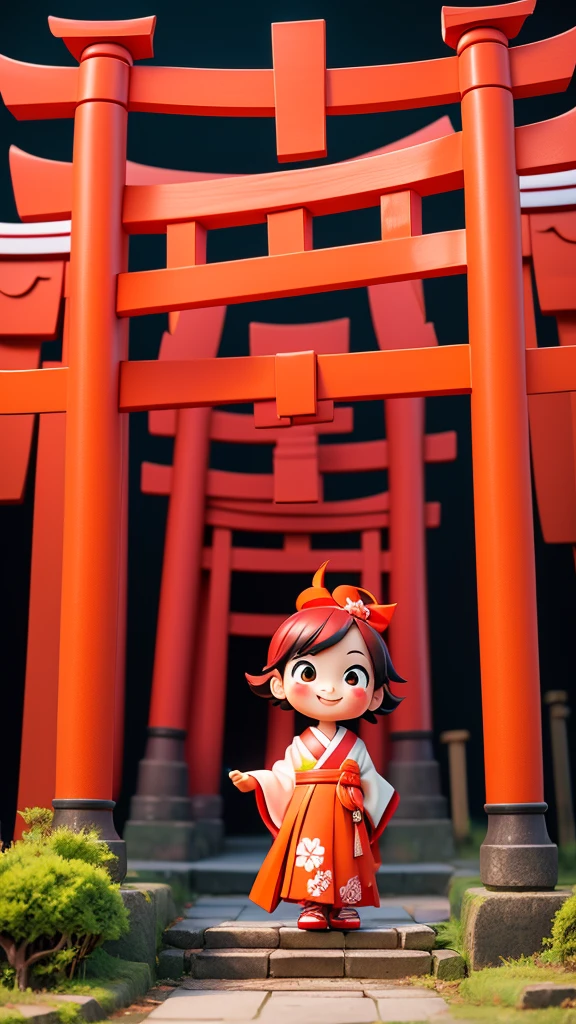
x=357, y=842
x=357, y=818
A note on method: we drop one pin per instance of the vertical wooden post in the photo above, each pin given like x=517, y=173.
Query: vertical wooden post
x=36, y=785
x=559, y=712
x=162, y=790
x=517, y=851
x=409, y=629
x=374, y=736
x=160, y=825
x=456, y=741
x=120, y=689
x=421, y=821
x=208, y=711
x=93, y=472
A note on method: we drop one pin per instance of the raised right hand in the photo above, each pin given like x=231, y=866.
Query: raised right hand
x=245, y=783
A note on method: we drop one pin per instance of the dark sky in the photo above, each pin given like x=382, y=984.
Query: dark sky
x=228, y=34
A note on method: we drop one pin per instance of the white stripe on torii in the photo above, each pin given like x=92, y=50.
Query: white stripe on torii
x=48, y=239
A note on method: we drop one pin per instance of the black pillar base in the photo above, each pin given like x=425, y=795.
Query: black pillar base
x=208, y=813
x=77, y=814
x=162, y=790
x=420, y=829
x=517, y=853
x=415, y=774
x=165, y=822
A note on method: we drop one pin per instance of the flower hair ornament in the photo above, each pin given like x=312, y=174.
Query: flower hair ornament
x=350, y=599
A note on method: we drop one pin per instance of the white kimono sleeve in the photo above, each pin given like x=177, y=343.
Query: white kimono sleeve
x=277, y=785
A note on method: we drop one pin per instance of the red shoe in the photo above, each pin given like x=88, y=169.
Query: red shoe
x=344, y=919
x=313, y=918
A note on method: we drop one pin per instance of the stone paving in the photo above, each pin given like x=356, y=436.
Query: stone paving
x=225, y=938
x=392, y=912
x=281, y=995
x=366, y=1005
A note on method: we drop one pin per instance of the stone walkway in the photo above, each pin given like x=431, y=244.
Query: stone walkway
x=392, y=911
x=345, y=1004
x=303, y=1000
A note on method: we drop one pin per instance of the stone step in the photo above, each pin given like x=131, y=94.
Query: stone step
x=270, y=966
x=236, y=963
x=195, y=933
x=233, y=873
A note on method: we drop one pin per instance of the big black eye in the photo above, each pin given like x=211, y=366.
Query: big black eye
x=357, y=676
x=304, y=672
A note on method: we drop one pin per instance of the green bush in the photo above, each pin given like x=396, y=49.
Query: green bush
x=83, y=845
x=57, y=900
x=562, y=943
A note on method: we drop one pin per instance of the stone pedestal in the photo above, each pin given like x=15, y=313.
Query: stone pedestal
x=517, y=853
x=417, y=841
x=165, y=823
x=78, y=814
x=500, y=925
x=421, y=829
x=162, y=790
x=208, y=815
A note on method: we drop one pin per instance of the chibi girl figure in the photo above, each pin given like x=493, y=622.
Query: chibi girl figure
x=325, y=803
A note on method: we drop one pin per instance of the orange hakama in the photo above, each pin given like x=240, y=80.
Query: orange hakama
x=326, y=806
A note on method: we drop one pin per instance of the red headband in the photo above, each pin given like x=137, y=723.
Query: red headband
x=350, y=599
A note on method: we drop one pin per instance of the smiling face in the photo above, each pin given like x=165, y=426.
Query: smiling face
x=335, y=685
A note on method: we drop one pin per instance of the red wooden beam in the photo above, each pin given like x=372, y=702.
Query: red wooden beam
x=300, y=273
x=34, y=91
x=43, y=188
x=272, y=560
x=253, y=522
x=147, y=384
x=33, y=390
x=428, y=168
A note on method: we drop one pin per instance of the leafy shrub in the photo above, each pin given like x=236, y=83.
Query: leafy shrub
x=56, y=897
x=562, y=943
x=83, y=845
x=39, y=821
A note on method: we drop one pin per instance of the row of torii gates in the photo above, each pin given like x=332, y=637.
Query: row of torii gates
x=98, y=385
x=235, y=501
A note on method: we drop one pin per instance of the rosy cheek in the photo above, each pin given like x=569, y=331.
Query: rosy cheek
x=301, y=689
x=359, y=696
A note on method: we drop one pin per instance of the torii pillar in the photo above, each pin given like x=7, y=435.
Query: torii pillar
x=161, y=821
x=421, y=829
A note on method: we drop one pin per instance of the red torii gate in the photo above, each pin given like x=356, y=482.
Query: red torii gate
x=33, y=264
x=172, y=671
x=39, y=722
x=399, y=319
x=99, y=386
x=162, y=792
